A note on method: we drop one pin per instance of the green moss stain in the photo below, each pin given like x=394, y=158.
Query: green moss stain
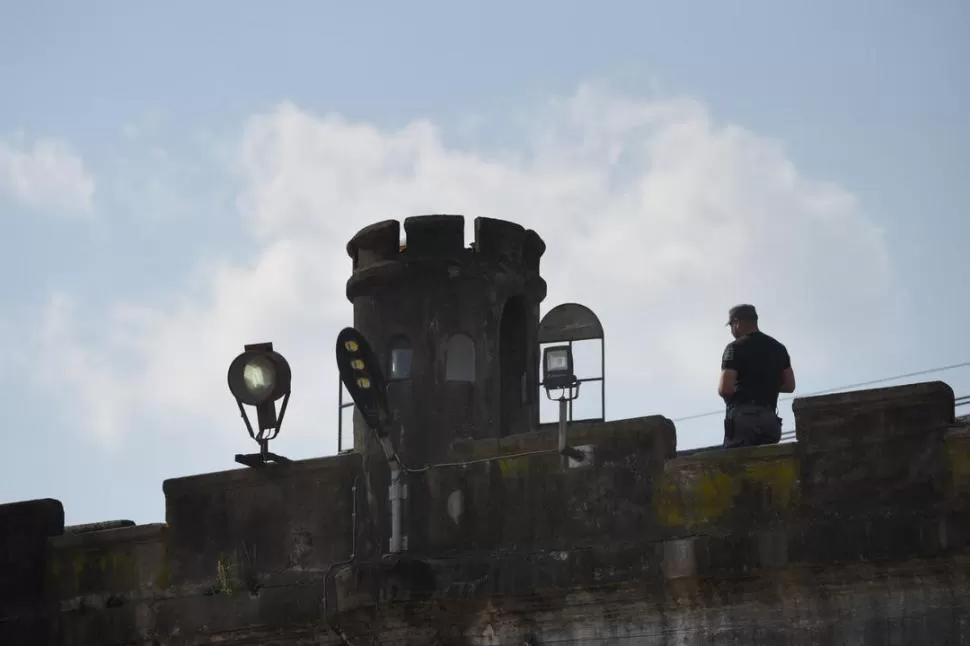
x=958, y=456
x=79, y=571
x=779, y=478
x=163, y=579
x=703, y=493
x=529, y=466
x=514, y=467
x=78, y=566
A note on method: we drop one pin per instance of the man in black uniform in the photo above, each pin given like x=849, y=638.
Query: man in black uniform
x=754, y=369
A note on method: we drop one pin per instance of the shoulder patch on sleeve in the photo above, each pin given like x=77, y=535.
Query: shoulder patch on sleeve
x=728, y=353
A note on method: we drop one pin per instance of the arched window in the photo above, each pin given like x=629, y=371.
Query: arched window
x=460, y=359
x=399, y=359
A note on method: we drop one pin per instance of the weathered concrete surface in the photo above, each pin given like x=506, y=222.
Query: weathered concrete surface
x=242, y=559
x=552, y=508
x=717, y=545
x=786, y=544
x=913, y=602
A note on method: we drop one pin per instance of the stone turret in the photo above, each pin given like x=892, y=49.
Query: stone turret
x=455, y=327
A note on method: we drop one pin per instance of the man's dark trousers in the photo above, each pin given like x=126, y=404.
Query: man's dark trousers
x=750, y=425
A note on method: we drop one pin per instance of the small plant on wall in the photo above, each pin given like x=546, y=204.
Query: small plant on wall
x=223, y=583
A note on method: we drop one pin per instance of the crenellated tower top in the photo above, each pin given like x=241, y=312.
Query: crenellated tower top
x=437, y=242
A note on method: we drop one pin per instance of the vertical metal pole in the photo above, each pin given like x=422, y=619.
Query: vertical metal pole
x=570, y=401
x=563, y=413
x=394, y=493
x=603, y=377
x=340, y=415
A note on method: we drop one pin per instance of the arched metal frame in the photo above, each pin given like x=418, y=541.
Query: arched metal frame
x=571, y=322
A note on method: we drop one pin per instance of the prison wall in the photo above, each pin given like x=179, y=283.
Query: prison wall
x=858, y=533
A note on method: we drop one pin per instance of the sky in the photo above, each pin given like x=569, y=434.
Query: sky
x=180, y=179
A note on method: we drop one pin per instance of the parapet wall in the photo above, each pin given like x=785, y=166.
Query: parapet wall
x=857, y=533
x=439, y=241
x=855, y=536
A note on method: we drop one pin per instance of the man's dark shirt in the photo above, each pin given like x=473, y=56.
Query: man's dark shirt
x=759, y=360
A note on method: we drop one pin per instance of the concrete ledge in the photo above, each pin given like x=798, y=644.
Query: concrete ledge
x=127, y=562
x=435, y=235
x=729, y=489
x=263, y=521
x=25, y=605
x=655, y=431
x=133, y=534
x=375, y=243
x=881, y=414
x=514, y=493
x=260, y=477
x=26, y=526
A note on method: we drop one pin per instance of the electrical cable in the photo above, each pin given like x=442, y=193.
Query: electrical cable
x=392, y=454
x=860, y=384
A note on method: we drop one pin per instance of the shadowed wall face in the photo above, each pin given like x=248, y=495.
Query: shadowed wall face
x=764, y=545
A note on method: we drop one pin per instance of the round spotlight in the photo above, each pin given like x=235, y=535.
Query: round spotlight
x=258, y=376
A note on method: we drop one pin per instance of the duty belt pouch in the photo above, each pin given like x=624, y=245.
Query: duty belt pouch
x=729, y=427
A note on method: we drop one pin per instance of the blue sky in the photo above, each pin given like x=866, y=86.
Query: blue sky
x=180, y=179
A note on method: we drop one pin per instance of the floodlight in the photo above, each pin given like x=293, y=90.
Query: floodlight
x=259, y=377
x=557, y=367
x=557, y=374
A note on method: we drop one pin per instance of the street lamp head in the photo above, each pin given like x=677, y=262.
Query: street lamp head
x=360, y=372
x=557, y=367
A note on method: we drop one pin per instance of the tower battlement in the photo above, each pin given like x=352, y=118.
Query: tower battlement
x=439, y=240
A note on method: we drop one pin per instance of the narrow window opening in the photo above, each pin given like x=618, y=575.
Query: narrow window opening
x=460, y=359
x=400, y=359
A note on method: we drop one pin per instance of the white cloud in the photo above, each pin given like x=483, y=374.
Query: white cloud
x=655, y=215
x=47, y=176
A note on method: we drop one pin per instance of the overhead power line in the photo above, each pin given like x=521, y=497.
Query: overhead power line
x=860, y=384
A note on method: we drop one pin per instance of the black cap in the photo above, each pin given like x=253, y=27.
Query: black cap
x=742, y=313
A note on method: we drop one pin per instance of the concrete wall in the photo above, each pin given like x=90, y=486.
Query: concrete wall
x=859, y=533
